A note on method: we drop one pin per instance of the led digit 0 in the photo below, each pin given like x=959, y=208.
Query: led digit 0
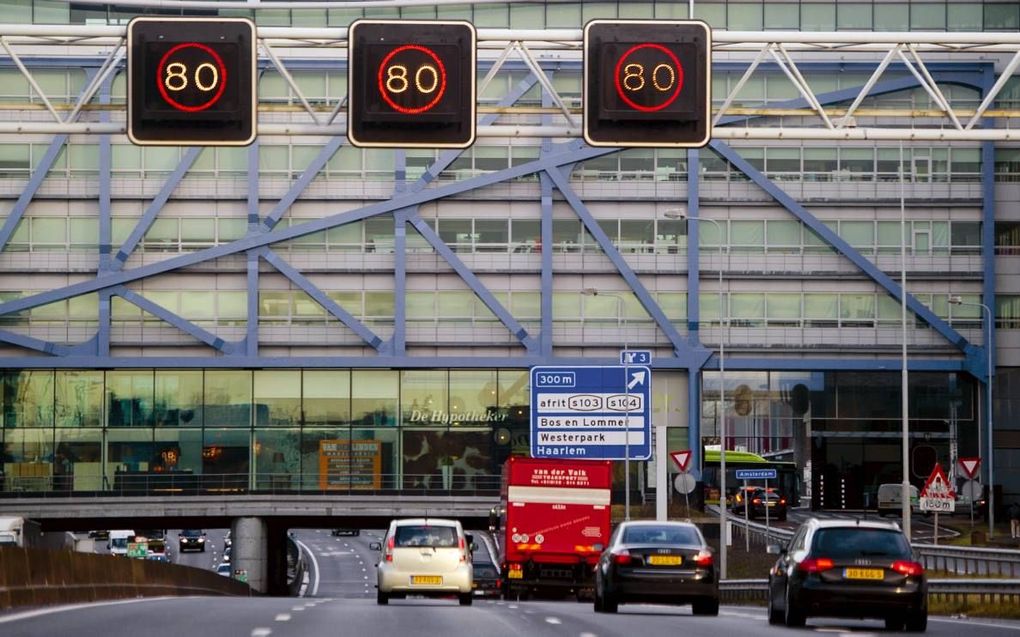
x=666, y=77
x=172, y=76
x=428, y=79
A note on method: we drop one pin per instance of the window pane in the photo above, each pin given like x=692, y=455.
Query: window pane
x=228, y=398
x=178, y=398
x=326, y=397
x=375, y=394
x=130, y=398
x=78, y=398
x=277, y=398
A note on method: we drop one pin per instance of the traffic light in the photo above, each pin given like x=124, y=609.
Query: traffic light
x=411, y=84
x=647, y=83
x=191, y=81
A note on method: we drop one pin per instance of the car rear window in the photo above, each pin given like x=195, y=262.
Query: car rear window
x=485, y=571
x=437, y=536
x=661, y=535
x=855, y=542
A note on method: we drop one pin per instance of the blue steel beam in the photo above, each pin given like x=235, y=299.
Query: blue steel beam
x=546, y=301
x=302, y=182
x=154, y=207
x=177, y=321
x=569, y=153
x=251, y=333
x=25, y=198
x=694, y=248
x=36, y=344
x=472, y=281
x=398, y=342
x=682, y=349
x=837, y=242
x=980, y=366
x=331, y=306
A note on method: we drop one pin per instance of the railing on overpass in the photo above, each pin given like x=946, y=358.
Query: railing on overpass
x=181, y=483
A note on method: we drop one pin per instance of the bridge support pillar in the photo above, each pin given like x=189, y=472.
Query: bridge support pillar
x=250, y=538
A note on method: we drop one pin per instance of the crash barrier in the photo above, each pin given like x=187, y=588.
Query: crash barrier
x=984, y=591
x=37, y=577
x=970, y=560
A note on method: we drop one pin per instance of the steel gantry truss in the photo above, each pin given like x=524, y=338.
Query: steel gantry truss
x=894, y=62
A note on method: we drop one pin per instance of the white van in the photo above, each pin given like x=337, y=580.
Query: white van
x=890, y=500
x=118, y=542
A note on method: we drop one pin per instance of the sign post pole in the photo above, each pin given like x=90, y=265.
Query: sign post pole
x=747, y=518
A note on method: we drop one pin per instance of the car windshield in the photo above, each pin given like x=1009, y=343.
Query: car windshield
x=436, y=536
x=191, y=533
x=661, y=535
x=857, y=542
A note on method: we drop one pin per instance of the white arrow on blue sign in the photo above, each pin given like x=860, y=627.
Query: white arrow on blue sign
x=593, y=413
x=756, y=474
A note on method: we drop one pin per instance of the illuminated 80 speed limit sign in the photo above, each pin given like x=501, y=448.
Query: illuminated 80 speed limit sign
x=191, y=81
x=647, y=83
x=411, y=83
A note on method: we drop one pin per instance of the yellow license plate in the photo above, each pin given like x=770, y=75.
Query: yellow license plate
x=665, y=560
x=864, y=573
x=515, y=575
x=426, y=580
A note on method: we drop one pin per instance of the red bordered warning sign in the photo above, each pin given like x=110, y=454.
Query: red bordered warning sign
x=681, y=458
x=938, y=495
x=969, y=466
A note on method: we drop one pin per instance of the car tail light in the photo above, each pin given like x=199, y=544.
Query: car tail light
x=389, y=549
x=756, y=501
x=911, y=569
x=463, y=553
x=816, y=564
x=782, y=500
x=621, y=557
x=704, y=559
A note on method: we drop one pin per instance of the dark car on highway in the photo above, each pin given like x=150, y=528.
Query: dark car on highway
x=848, y=569
x=756, y=500
x=191, y=540
x=659, y=563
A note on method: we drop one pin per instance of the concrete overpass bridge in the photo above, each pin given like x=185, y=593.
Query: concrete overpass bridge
x=259, y=523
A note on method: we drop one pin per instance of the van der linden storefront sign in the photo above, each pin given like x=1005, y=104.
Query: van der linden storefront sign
x=350, y=464
x=441, y=417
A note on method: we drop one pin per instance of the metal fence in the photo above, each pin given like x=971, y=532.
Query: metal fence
x=1003, y=591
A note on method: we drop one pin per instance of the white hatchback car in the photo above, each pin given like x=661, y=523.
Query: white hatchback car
x=424, y=557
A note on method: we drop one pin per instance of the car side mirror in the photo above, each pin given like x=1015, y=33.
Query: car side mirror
x=375, y=546
x=775, y=549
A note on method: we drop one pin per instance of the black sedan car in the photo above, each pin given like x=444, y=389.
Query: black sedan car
x=657, y=562
x=756, y=502
x=852, y=569
x=486, y=581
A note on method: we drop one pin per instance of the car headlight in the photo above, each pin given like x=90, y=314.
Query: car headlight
x=201, y=539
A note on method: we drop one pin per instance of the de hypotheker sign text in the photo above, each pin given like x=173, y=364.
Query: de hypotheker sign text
x=594, y=413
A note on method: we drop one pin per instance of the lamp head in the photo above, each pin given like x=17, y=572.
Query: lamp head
x=675, y=213
x=955, y=300
x=590, y=292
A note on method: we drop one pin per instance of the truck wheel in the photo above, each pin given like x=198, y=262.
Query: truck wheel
x=382, y=598
x=465, y=599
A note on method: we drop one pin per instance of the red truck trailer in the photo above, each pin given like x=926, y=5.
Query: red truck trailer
x=554, y=523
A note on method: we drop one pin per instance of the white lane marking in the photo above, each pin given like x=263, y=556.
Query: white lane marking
x=315, y=565
x=282, y=617
x=971, y=622
x=587, y=635
x=29, y=614
x=552, y=620
x=299, y=608
x=511, y=605
x=261, y=632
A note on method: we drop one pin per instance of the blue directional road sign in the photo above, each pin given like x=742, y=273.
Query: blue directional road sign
x=756, y=474
x=635, y=357
x=591, y=413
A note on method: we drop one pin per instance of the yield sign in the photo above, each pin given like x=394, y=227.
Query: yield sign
x=681, y=458
x=970, y=466
x=937, y=485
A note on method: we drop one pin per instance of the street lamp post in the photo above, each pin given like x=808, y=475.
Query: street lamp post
x=987, y=311
x=626, y=391
x=682, y=214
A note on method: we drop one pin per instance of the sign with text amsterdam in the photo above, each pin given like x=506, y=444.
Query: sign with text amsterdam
x=593, y=413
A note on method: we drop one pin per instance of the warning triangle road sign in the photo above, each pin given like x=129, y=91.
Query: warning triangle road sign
x=681, y=458
x=937, y=485
x=970, y=466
